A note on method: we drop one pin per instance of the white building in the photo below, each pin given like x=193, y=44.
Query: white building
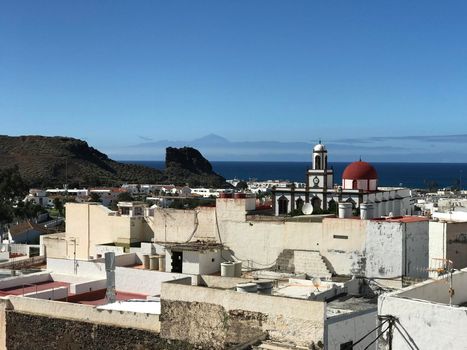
x=359, y=186
x=38, y=197
x=78, y=192
x=448, y=241
x=429, y=315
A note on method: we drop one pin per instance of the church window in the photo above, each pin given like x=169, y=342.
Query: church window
x=332, y=206
x=318, y=162
x=299, y=203
x=316, y=203
x=283, y=205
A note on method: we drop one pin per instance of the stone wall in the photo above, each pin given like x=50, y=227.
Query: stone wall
x=28, y=331
x=215, y=318
x=209, y=326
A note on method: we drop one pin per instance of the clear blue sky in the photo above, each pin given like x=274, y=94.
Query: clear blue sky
x=119, y=73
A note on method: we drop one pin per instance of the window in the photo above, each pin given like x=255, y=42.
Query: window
x=316, y=203
x=347, y=346
x=283, y=205
x=340, y=237
x=299, y=203
x=318, y=162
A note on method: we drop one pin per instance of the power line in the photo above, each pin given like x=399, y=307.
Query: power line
x=380, y=335
x=366, y=335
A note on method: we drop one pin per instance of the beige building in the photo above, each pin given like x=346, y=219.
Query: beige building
x=90, y=224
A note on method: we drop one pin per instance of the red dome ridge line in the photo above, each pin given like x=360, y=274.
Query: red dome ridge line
x=359, y=171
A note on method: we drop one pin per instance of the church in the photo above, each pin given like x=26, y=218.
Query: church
x=359, y=186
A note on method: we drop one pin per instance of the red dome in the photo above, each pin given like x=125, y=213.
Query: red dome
x=359, y=171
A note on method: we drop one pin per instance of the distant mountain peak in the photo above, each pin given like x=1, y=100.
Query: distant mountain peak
x=212, y=139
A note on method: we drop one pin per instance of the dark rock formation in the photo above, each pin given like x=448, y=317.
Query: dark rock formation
x=189, y=164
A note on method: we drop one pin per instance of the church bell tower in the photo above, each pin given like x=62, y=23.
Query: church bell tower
x=320, y=176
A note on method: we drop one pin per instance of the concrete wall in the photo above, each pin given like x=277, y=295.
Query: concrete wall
x=343, y=244
x=174, y=225
x=126, y=279
x=351, y=327
x=219, y=318
x=82, y=312
x=384, y=249
x=423, y=325
x=448, y=240
x=57, y=293
x=102, y=249
x=210, y=262
x=18, y=281
x=417, y=249
x=397, y=249
x=437, y=290
x=55, y=245
x=260, y=243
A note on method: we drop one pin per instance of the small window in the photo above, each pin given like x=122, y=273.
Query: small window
x=347, y=346
x=340, y=237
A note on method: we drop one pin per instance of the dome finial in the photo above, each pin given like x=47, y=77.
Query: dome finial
x=360, y=158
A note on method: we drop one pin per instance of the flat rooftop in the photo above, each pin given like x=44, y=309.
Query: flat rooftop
x=349, y=304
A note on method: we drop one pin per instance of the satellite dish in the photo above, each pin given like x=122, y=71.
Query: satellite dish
x=316, y=283
x=307, y=209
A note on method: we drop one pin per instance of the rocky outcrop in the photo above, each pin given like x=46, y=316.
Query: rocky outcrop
x=189, y=164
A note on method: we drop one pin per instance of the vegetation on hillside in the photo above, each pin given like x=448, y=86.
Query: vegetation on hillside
x=55, y=161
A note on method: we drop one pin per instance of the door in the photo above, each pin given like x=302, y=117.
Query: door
x=177, y=262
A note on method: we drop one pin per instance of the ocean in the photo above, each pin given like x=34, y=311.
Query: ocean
x=412, y=175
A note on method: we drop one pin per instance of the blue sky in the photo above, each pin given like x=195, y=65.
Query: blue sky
x=123, y=73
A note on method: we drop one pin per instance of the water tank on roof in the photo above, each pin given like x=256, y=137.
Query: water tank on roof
x=345, y=210
x=227, y=269
x=366, y=211
x=238, y=268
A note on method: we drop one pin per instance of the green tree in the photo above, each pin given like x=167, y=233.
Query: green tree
x=28, y=210
x=241, y=185
x=125, y=197
x=94, y=197
x=12, y=191
x=58, y=204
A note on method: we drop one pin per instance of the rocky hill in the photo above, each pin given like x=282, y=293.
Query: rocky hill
x=54, y=161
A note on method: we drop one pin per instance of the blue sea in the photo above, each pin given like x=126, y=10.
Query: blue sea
x=413, y=175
